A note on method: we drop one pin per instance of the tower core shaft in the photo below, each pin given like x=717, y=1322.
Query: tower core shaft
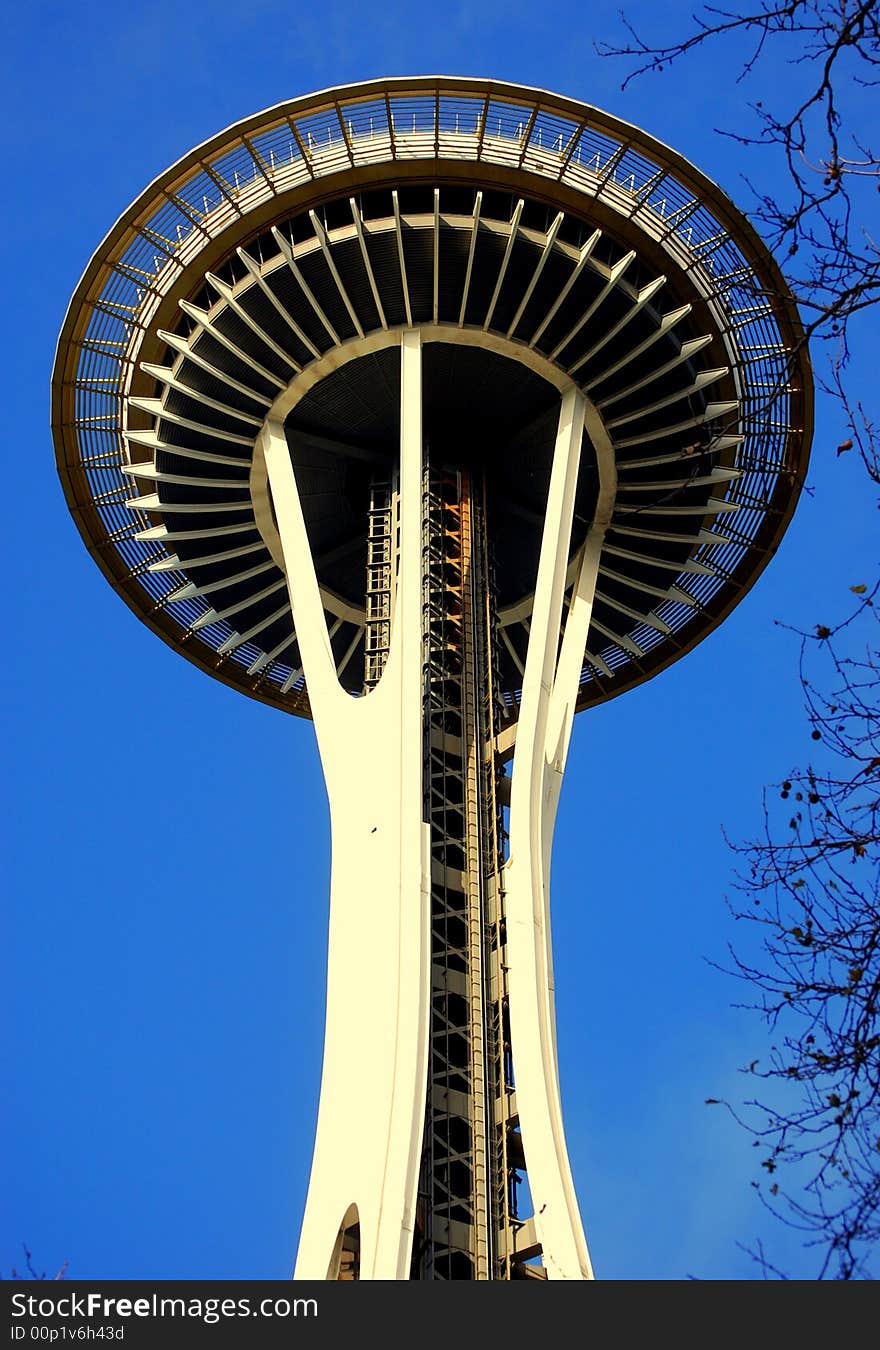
x=467, y=1182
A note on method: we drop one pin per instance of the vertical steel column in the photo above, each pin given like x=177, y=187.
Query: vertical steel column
x=454, y=1239
x=475, y=673
x=469, y=1225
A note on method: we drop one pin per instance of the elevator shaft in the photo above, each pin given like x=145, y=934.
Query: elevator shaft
x=467, y=1210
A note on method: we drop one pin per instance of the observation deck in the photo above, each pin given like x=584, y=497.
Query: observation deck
x=535, y=242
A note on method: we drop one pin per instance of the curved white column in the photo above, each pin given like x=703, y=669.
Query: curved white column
x=549, y=694
x=372, y=1105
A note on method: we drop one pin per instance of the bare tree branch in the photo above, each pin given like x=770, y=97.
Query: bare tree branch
x=821, y=218
x=30, y=1271
x=809, y=882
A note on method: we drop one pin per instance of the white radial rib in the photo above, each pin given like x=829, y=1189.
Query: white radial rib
x=616, y=273
x=625, y=643
x=379, y=950
x=239, y=639
x=475, y=230
x=711, y=413
x=185, y=592
x=583, y=259
x=705, y=378
x=190, y=589
x=686, y=351
x=153, y=442
x=150, y=471
x=645, y=295
x=514, y=226
x=152, y=503
x=368, y=266
x=601, y=666
x=288, y=683
x=303, y=284
x=671, y=484
x=715, y=447
x=398, y=229
x=174, y=564
x=545, y=254
x=213, y=616
x=666, y=324
x=181, y=344
x=227, y=293
x=549, y=693
x=649, y=620
x=155, y=408
x=712, y=507
x=166, y=376
x=697, y=568
x=692, y=540
x=256, y=272
x=321, y=234
x=671, y=592
x=169, y=536
x=264, y=658
x=205, y=322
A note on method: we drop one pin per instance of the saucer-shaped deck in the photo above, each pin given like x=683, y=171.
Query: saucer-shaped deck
x=533, y=241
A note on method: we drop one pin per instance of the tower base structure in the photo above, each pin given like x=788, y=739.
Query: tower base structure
x=440, y=1086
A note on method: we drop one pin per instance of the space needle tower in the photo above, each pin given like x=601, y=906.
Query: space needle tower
x=434, y=410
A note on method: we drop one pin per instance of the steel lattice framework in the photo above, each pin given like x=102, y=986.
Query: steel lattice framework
x=434, y=409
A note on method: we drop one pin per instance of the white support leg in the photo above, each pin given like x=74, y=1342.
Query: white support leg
x=549, y=693
x=372, y=1107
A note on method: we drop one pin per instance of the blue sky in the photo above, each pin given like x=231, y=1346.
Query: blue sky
x=165, y=839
